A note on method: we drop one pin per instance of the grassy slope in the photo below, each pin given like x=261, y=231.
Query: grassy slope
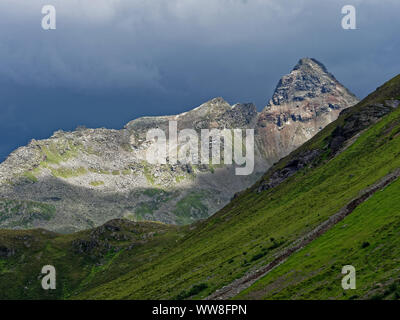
x=247, y=232
x=80, y=264
x=368, y=239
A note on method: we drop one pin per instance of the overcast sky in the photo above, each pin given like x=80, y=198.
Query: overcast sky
x=110, y=61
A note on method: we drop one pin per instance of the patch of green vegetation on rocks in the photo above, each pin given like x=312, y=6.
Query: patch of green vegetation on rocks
x=99, y=171
x=30, y=176
x=191, y=208
x=157, y=198
x=60, y=151
x=66, y=173
x=26, y=211
x=96, y=183
x=148, y=174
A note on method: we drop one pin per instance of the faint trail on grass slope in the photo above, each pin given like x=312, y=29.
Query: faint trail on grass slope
x=247, y=280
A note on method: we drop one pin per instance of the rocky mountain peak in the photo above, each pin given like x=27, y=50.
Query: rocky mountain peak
x=310, y=63
x=308, y=79
x=217, y=103
x=304, y=102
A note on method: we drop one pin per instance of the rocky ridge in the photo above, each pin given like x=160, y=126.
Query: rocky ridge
x=81, y=179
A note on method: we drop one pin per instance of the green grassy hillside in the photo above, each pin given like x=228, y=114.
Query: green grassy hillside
x=82, y=260
x=368, y=239
x=255, y=226
x=295, y=196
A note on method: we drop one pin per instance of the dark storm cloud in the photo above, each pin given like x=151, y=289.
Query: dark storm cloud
x=110, y=61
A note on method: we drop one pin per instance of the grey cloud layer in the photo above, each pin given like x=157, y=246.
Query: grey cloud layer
x=125, y=43
x=140, y=57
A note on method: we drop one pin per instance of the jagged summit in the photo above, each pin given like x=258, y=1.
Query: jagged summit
x=304, y=102
x=308, y=79
x=310, y=63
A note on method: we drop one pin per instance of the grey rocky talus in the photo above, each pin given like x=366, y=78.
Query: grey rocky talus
x=81, y=179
